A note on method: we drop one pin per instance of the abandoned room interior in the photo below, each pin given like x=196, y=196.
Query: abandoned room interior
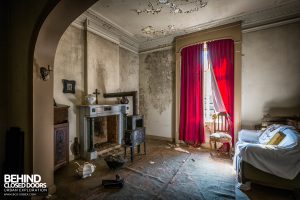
x=152, y=99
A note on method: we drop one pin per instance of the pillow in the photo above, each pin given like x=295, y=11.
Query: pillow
x=266, y=136
x=272, y=128
x=291, y=139
x=277, y=138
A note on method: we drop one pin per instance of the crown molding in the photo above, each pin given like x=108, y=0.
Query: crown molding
x=161, y=48
x=101, y=27
x=253, y=21
x=272, y=25
x=108, y=21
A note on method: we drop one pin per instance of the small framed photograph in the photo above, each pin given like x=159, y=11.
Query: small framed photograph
x=68, y=86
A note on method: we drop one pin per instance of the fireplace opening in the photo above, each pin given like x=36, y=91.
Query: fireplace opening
x=106, y=129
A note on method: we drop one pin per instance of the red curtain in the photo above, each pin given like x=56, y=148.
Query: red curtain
x=191, y=128
x=221, y=55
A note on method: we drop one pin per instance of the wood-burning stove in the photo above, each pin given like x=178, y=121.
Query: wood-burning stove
x=135, y=134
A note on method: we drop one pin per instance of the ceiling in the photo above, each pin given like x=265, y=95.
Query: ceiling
x=130, y=16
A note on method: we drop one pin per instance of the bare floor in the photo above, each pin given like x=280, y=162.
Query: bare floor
x=163, y=173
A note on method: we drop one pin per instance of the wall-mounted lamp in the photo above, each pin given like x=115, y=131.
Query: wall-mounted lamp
x=44, y=72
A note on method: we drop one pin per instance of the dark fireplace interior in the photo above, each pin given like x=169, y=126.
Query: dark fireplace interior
x=105, y=132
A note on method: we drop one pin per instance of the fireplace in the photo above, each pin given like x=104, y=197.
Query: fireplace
x=106, y=132
x=101, y=128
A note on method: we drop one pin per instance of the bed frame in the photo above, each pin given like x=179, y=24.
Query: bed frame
x=249, y=173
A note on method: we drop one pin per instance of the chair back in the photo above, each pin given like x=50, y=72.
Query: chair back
x=221, y=123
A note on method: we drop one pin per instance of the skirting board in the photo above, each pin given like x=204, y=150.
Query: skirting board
x=155, y=137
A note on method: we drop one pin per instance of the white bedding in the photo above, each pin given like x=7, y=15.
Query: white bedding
x=282, y=160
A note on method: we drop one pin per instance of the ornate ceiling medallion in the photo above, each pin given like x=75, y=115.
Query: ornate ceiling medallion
x=175, y=6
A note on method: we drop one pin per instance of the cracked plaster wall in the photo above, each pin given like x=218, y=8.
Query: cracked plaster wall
x=129, y=73
x=69, y=64
x=157, y=70
x=103, y=66
x=110, y=69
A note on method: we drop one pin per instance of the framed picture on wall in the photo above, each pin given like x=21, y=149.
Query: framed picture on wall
x=68, y=86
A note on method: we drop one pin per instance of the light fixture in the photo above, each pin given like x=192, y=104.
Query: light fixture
x=45, y=72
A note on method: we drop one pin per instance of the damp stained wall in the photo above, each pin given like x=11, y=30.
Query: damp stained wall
x=110, y=69
x=103, y=66
x=156, y=91
x=129, y=73
x=69, y=64
x=270, y=73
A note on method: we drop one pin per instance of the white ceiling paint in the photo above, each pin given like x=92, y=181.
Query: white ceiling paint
x=119, y=17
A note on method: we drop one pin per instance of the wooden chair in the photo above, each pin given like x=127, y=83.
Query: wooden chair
x=220, y=133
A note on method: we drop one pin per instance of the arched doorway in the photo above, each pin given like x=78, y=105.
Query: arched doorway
x=51, y=30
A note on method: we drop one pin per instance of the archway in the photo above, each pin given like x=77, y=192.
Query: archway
x=51, y=30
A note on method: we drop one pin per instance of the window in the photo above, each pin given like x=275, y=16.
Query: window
x=209, y=109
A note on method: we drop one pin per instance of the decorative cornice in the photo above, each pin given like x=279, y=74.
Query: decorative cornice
x=104, y=27
x=107, y=30
x=159, y=48
x=266, y=26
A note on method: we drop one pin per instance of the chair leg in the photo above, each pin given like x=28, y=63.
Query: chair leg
x=230, y=150
x=131, y=153
x=215, y=145
x=124, y=151
x=145, y=147
x=139, y=149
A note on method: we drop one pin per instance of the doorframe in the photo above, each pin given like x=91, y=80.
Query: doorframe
x=45, y=43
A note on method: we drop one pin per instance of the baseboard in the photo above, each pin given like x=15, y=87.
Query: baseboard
x=155, y=137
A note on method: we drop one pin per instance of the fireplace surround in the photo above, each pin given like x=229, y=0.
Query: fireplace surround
x=88, y=114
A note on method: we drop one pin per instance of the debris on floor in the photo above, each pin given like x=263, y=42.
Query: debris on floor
x=113, y=184
x=85, y=170
x=114, y=161
x=151, y=162
x=181, y=150
x=171, y=145
x=193, y=159
x=144, y=174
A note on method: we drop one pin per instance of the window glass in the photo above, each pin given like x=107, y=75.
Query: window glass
x=209, y=109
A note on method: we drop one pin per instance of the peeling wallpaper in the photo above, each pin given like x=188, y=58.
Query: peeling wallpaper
x=157, y=72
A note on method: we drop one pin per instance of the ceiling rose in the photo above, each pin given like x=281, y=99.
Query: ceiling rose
x=174, y=6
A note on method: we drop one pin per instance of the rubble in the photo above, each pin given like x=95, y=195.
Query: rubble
x=181, y=150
